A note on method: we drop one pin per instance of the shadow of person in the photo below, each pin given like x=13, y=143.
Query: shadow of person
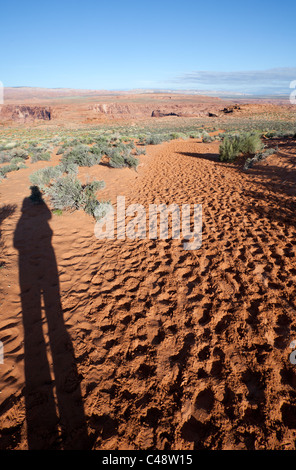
x=54, y=408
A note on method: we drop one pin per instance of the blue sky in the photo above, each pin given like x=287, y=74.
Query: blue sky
x=165, y=44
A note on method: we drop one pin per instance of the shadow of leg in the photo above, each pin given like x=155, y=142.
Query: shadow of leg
x=67, y=381
x=41, y=415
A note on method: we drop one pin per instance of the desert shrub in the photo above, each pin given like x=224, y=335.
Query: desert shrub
x=68, y=167
x=270, y=134
x=130, y=144
x=8, y=155
x=40, y=155
x=207, y=138
x=132, y=162
x=177, y=135
x=4, y=157
x=19, y=153
x=13, y=166
x=89, y=201
x=81, y=155
x=67, y=192
x=141, y=139
x=17, y=161
x=233, y=145
x=120, y=157
x=141, y=151
x=228, y=149
x=250, y=143
x=195, y=135
x=156, y=139
x=43, y=176
x=60, y=150
x=57, y=212
x=98, y=150
x=117, y=160
x=102, y=209
x=10, y=145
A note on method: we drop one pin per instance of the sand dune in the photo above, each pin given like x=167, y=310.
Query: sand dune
x=173, y=349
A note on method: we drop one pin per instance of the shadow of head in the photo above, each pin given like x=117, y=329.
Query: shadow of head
x=34, y=205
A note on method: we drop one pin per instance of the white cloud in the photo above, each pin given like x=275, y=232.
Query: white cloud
x=277, y=79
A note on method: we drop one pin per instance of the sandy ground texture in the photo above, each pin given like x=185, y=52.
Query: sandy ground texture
x=140, y=344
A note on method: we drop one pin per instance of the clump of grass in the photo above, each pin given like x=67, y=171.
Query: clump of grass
x=195, y=135
x=68, y=193
x=4, y=157
x=19, y=153
x=132, y=162
x=120, y=157
x=245, y=143
x=156, y=139
x=9, y=155
x=10, y=145
x=102, y=209
x=81, y=155
x=13, y=166
x=206, y=138
x=40, y=155
x=43, y=176
x=117, y=160
x=65, y=193
x=57, y=212
x=140, y=151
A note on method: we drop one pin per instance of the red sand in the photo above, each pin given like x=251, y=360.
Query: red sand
x=173, y=349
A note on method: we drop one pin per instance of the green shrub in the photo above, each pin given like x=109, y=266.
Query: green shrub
x=250, y=143
x=13, y=166
x=67, y=192
x=9, y=155
x=233, y=145
x=207, y=138
x=57, y=212
x=5, y=157
x=228, y=150
x=19, y=153
x=10, y=145
x=132, y=162
x=117, y=160
x=43, y=176
x=68, y=167
x=102, y=209
x=141, y=151
x=156, y=139
x=40, y=155
x=195, y=135
x=81, y=155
